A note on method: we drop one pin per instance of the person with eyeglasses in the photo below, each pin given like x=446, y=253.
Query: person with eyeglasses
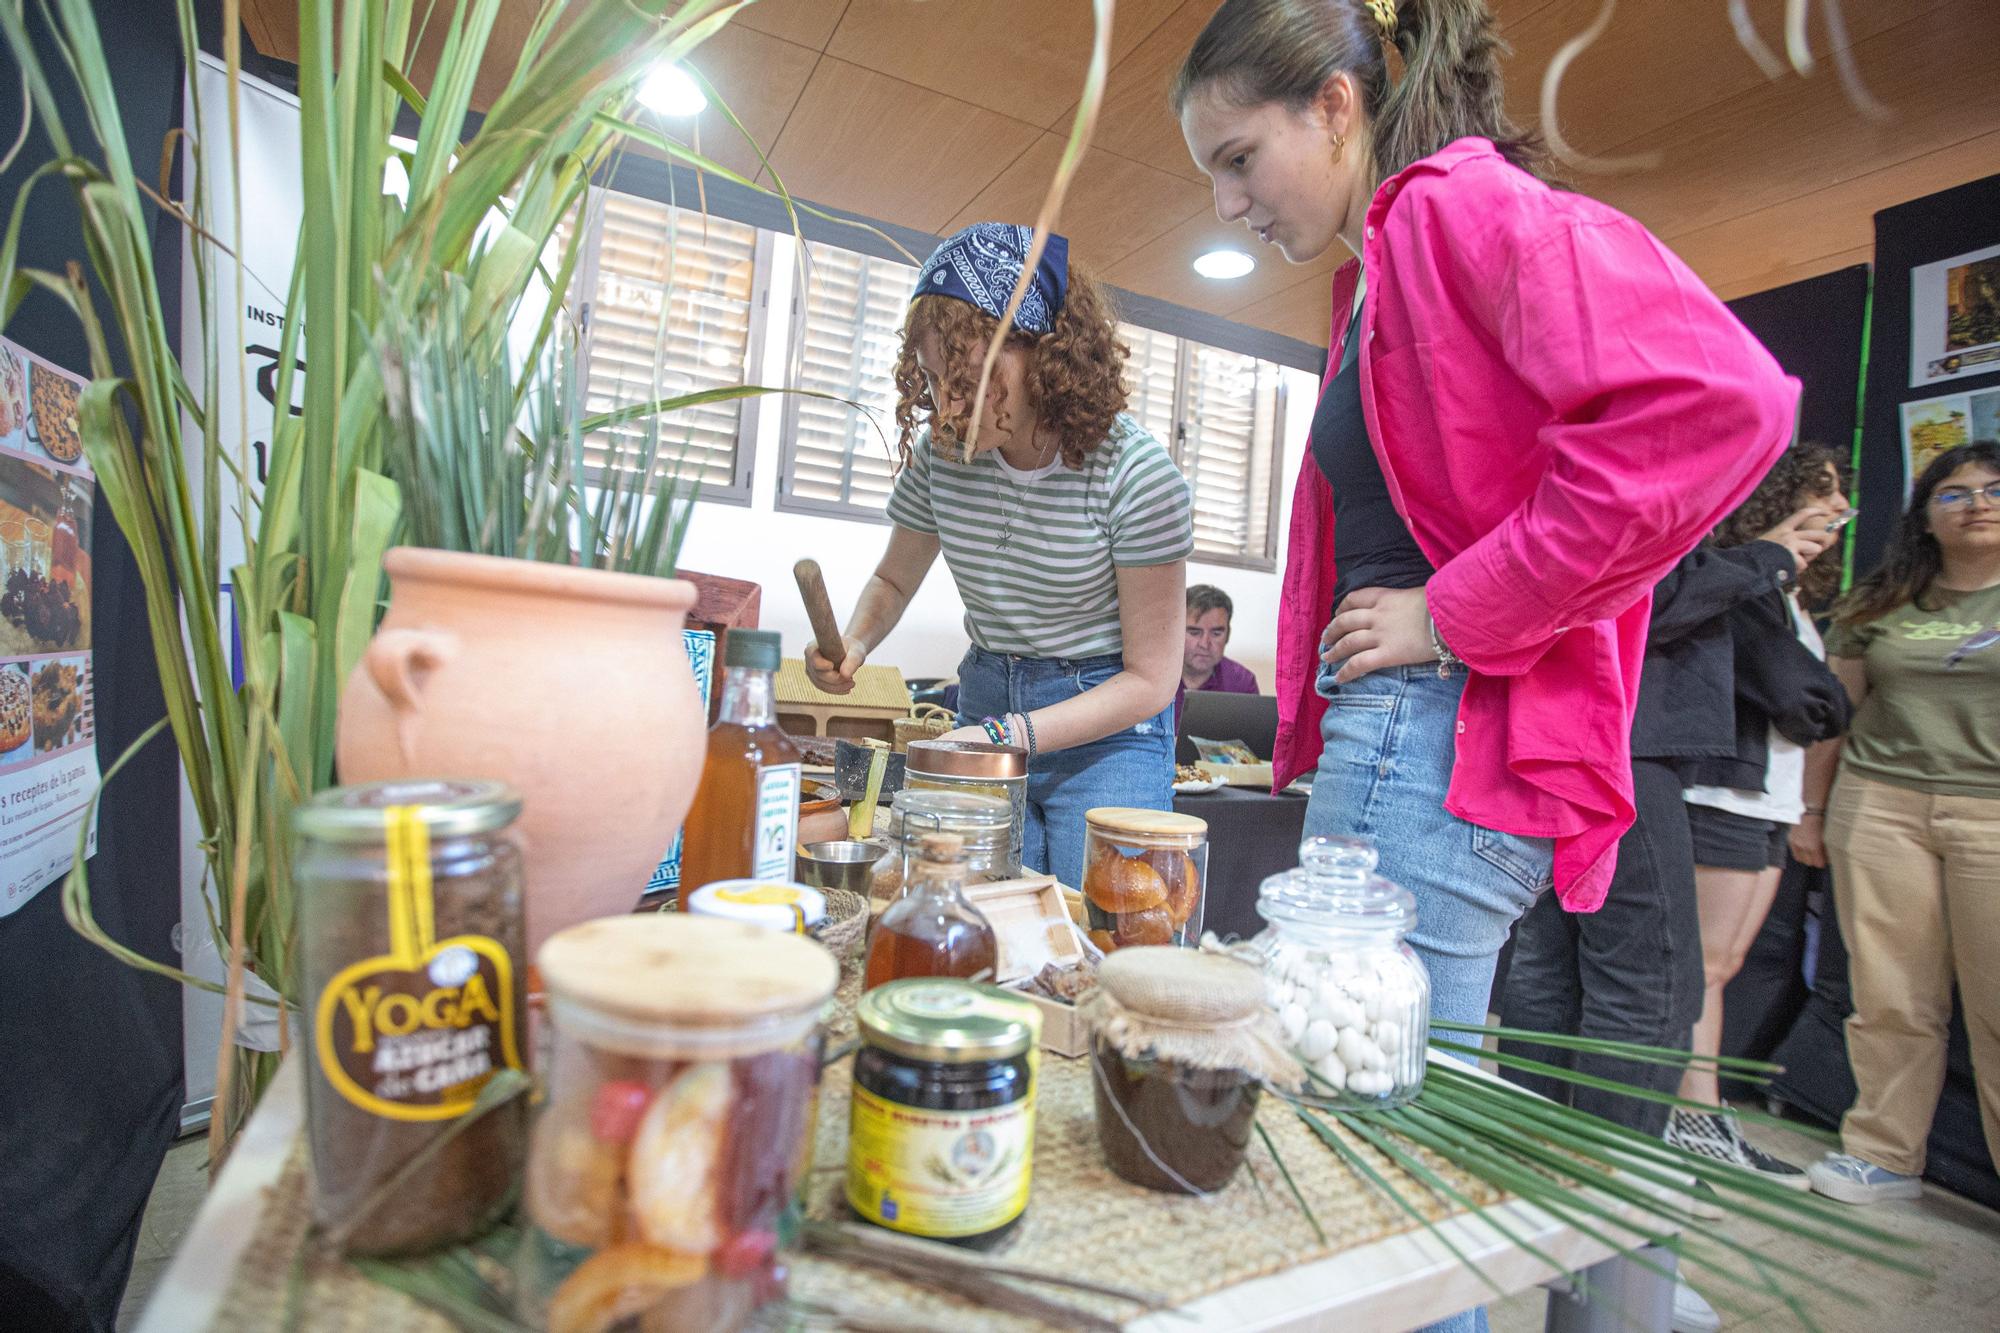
x=1911, y=826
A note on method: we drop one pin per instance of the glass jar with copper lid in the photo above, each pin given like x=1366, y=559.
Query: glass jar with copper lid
x=979, y=767
x=1144, y=876
x=664, y=1167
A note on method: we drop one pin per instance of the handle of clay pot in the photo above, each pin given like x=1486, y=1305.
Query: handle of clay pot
x=398, y=660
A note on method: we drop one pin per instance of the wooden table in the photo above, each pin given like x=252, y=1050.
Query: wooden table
x=1401, y=1282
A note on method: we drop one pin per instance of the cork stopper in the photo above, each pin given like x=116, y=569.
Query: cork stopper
x=941, y=848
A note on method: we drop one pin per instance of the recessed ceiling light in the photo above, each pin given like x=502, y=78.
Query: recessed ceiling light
x=1223, y=264
x=669, y=91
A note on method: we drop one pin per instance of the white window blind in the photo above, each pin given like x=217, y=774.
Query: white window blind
x=1227, y=448
x=1152, y=379
x=849, y=323
x=672, y=298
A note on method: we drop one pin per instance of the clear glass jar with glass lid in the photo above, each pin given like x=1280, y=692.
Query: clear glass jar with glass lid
x=664, y=1166
x=1352, y=999
x=980, y=768
x=984, y=823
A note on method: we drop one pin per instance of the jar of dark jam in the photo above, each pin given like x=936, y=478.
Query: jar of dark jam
x=941, y=1130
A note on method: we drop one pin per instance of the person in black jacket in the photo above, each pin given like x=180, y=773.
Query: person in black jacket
x=1743, y=805
x=1633, y=970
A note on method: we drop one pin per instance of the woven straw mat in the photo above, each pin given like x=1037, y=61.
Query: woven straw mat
x=1081, y=1221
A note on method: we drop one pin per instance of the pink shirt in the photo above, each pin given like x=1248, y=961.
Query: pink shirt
x=1561, y=410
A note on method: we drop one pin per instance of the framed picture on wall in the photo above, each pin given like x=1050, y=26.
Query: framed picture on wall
x=1933, y=425
x=1955, y=317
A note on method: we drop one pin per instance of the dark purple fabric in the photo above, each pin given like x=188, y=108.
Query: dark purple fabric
x=1228, y=677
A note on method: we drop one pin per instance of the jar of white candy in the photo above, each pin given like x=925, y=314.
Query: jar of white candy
x=1352, y=999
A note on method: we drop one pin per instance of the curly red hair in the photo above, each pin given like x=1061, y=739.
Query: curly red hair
x=1075, y=380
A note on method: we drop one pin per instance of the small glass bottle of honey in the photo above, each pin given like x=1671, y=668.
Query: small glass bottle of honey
x=932, y=931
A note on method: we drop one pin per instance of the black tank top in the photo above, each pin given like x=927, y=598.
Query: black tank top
x=1372, y=546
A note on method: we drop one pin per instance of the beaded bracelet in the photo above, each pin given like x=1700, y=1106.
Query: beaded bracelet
x=1028, y=725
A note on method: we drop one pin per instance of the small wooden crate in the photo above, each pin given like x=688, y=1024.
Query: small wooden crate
x=871, y=711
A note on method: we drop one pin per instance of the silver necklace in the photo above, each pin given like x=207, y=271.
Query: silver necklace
x=1020, y=497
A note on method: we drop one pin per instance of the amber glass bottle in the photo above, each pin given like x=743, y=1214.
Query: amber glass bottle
x=932, y=931
x=746, y=811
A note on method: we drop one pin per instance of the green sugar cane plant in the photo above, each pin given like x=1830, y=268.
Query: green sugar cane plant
x=476, y=245
x=479, y=232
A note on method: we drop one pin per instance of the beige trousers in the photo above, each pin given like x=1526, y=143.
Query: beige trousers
x=1916, y=879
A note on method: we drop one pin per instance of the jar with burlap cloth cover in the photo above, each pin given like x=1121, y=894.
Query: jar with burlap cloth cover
x=1181, y=1045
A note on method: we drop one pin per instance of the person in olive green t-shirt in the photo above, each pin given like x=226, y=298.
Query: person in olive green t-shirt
x=1912, y=826
x=1930, y=717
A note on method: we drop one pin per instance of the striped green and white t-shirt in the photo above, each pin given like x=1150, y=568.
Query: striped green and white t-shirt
x=1050, y=589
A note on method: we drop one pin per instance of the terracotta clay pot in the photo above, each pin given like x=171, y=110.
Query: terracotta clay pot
x=570, y=685
x=821, y=816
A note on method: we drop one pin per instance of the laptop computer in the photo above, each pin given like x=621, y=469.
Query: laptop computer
x=1218, y=716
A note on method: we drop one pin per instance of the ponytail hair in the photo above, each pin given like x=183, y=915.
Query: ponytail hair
x=1259, y=51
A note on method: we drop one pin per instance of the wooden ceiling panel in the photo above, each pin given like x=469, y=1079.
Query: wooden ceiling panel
x=1780, y=141
x=1134, y=121
x=1658, y=63
x=863, y=141
x=801, y=22
x=1828, y=227
x=1303, y=311
x=1023, y=58
x=761, y=78
x=1165, y=267
x=1115, y=205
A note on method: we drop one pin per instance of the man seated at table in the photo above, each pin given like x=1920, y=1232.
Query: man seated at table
x=1203, y=667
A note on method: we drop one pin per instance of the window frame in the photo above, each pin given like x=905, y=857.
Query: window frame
x=742, y=485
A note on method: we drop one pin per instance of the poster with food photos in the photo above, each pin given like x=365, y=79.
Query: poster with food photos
x=48, y=734
x=1955, y=317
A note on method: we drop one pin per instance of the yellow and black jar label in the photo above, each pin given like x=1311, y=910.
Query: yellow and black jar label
x=414, y=1034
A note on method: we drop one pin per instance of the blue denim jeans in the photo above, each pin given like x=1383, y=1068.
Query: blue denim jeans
x=1389, y=741
x=1384, y=767
x=1134, y=767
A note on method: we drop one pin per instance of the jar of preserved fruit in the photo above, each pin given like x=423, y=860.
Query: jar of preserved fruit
x=1352, y=999
x=410, y=946
x=941, y=1130
x=664, y=1166
x=1143, y=876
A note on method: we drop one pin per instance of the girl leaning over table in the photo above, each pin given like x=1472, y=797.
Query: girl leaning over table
x=1531, y=411
x=1067, y=533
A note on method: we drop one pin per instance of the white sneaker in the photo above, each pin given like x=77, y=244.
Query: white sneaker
x=1851, y=1179
x=1692, y=1314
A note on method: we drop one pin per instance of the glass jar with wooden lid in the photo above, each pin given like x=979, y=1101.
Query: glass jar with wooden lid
x=1144, y=875
x=663, y=1170
x=974, y=766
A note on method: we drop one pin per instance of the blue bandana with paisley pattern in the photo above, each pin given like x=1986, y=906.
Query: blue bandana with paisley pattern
x=981, y=264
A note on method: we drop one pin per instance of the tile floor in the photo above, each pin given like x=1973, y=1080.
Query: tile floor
x=1960, y=1241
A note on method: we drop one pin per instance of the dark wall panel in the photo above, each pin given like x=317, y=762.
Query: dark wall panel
x=91, y=1049
x=1922, y=231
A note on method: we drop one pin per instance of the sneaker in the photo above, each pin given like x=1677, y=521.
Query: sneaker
x=1850, y=1179
x=1720, y=1138
x=1692, y=1314
x=1705, y=1134
x=1774, y=1170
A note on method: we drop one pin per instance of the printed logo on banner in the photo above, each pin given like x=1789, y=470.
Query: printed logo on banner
x=48, y=714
